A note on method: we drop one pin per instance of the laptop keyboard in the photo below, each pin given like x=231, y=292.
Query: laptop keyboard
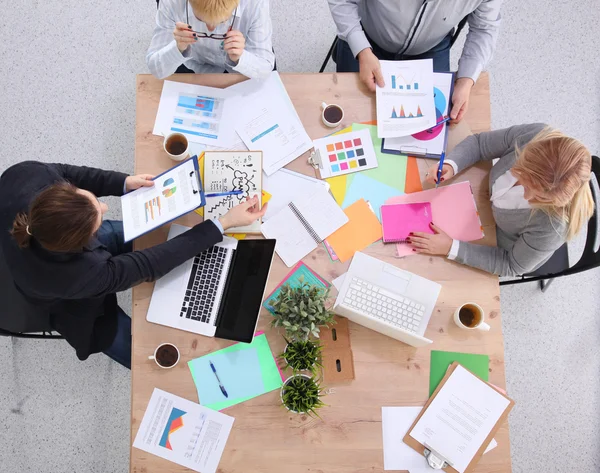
x=385, y=305
x=203, y=283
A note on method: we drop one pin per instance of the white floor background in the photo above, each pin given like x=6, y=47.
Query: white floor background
x=68, y=94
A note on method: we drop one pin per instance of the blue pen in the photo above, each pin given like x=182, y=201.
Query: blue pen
x=445, y=120
x=440, y=168
x=219, y=381
x=223, y=194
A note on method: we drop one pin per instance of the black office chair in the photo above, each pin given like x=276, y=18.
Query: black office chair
x=18, y=317
x=558, y=265
x=331, y=51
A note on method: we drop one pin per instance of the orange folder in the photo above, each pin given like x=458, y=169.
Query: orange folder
x=362, y=229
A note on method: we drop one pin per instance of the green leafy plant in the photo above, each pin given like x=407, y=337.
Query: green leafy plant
x=302, y=355
x=302, y=394
x=301, y=310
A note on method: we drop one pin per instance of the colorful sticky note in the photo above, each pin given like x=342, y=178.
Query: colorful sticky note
x=335, y=168
x=268, y=371
x=357, y=141
x=362, y=229
x=353, y=164
x=341, y=155
x=350, y=153
x=441, y=360
x=332, y=158
x=375, y=192
x=330, y=148
x=339, y=146
x=344, y=166
x=348, y=143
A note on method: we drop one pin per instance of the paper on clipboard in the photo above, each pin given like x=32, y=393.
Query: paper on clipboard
x=460, y=419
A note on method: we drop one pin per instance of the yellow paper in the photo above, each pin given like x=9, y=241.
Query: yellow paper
x=338, y=184
x=362, y=229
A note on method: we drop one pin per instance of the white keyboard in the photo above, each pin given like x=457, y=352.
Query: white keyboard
x=385, y=305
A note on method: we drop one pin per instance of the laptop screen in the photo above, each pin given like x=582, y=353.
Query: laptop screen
x=245, y=289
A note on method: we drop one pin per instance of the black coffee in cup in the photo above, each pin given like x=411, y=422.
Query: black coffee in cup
x=470, y=316
x=333, y=113
x=176, y=145
x=167, y=355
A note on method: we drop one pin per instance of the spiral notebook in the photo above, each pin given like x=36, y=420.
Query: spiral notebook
x=303, y=224
x=399, y=220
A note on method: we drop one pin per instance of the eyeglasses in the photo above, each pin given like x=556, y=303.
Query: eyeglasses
x=213, y=35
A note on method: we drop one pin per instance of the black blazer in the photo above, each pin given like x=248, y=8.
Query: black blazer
x=79, y=288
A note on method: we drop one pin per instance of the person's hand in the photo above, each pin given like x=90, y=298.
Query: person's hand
x=234, y=45
x=184, y=36
x=460, y=98
x=431, y=175
x=370, y=69
x=243, y=214
x=141, y=180
x=437, y=244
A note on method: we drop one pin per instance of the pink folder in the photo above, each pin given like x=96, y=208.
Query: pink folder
x=453, y=210
x=399, y=220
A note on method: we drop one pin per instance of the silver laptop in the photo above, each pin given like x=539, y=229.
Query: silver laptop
x=218, y=293
x=387, y=299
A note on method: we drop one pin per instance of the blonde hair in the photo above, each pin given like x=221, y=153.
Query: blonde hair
x=559, y=167
x=214, y=11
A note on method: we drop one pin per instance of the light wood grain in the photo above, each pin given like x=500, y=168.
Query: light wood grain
x=265, y=437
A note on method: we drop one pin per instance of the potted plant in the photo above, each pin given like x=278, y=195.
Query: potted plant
x=301, y=394
x=301, y=310
x=302, y=355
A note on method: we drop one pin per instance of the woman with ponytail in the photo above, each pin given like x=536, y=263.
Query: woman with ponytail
x=64, y=257
x=540, y=194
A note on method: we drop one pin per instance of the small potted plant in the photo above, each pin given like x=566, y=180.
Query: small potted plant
x=302, y=355
x=301, y=394
x=301, y=310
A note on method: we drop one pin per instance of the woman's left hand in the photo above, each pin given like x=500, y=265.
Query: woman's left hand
x=234, y=45
x=437, y=244
x=141, y=180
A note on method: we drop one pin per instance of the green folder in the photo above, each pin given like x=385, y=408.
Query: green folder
x=271, y=375
x=441, y=360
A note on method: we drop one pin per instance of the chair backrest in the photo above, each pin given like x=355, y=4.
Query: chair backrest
x=590, y=257
x=17, y=315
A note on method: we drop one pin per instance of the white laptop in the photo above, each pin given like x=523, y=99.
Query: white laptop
x=218, y=293
x=387, y=299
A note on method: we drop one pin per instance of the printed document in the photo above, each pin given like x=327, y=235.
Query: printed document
x=183, y=432
x=460, y=418
x=174, y=194
x=405, y=105
x=267, y=121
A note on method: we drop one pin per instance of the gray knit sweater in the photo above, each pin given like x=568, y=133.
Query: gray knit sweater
x=526, y=238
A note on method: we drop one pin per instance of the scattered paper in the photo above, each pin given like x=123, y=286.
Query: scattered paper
x=183, y=432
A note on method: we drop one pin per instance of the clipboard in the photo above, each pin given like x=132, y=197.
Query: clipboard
x=434, y=459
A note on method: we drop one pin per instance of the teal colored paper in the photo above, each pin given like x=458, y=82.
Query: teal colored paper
x=239, y=372
x=301, y=270
x=374, y=192
x=269, y=372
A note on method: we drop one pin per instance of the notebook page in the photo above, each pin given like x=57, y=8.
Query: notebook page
x=322, y=213
x=460, y=418
x=293, y=240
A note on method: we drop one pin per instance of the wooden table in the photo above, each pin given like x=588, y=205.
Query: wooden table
x=265, y=437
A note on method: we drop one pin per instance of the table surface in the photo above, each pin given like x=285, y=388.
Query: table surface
x=348, y=437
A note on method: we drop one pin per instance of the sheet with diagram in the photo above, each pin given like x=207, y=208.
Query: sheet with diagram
x=405, y=105
x=175, y=193
x=226, y=171
x=203, y=114
x=183, y=432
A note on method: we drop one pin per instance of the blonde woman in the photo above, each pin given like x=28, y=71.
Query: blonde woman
x=540, y=198
x=212, y=36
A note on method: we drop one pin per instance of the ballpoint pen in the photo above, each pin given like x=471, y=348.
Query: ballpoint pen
x=447, y=119
x=218, y=380
x=440, y=168
x=223, y=194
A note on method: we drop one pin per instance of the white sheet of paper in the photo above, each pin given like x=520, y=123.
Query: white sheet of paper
x=183, y=432
x=410, y=145
x=460, y=418
x=173, y=195
x=267, y=121
x=203, y=114
x=228, y=171
x=405, y=105
x=395, y=422
x=285, y=186
x=350, y=152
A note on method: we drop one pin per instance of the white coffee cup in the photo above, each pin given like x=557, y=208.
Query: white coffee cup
x=332, y=106
x=479, y=316
x=176, y=139
x=157, y=358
